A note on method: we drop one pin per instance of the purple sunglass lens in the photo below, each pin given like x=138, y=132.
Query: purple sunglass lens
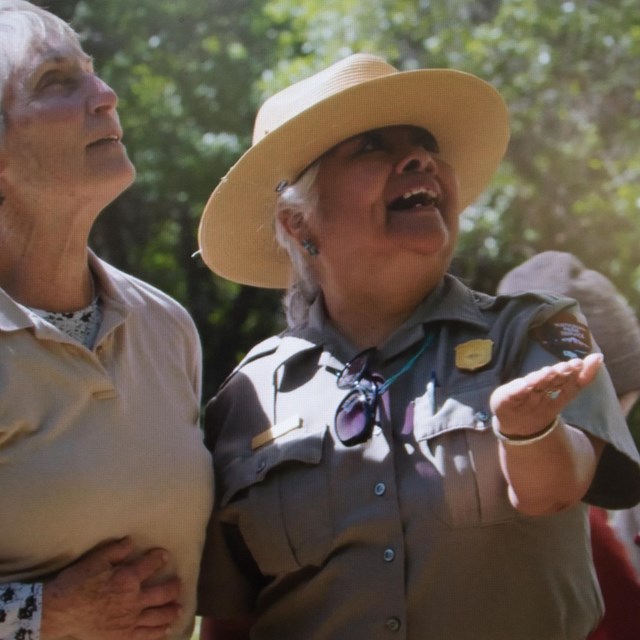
x=354, y=418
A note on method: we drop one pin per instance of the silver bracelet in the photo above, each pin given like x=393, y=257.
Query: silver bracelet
x=515, y=441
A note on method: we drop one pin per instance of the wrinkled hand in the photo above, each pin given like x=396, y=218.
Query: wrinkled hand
x=527, y=405
x=104, y=596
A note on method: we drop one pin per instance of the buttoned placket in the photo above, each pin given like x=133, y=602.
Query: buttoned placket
x=391, y=555
x=376, y=491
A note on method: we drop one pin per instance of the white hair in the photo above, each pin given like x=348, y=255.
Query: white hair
x=301, y=197
x=23, y=26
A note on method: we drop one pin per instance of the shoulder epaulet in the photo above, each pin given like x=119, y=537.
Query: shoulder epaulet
x=528, y=296
x=262, y=349
x=283, y=345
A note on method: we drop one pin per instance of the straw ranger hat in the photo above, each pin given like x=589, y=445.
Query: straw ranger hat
x=467, y=116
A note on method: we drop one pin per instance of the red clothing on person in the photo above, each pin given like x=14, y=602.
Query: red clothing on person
x=618, y=583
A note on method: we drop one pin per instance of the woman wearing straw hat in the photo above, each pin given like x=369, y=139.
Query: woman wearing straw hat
x=409, y=458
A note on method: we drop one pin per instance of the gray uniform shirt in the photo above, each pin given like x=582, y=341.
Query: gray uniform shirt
x=410, y=535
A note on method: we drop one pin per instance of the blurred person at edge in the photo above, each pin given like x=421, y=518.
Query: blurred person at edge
x=434, y=485
x=616, y=330
x=105, y=481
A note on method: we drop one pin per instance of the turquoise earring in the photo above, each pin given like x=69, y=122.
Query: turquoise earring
x=311, y=248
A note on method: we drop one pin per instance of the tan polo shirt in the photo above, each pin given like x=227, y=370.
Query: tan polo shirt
x=410, y=535
x=96, y=445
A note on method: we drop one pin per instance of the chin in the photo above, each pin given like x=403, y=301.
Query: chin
x=433, y=243
x=110, y=187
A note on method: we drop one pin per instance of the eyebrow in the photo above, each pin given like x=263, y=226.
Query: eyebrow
x=65, y=60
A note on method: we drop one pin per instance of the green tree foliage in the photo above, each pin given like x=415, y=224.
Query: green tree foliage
x=191, y=73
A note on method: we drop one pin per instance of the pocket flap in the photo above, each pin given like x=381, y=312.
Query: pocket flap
x=303, y=446
x=467, y=409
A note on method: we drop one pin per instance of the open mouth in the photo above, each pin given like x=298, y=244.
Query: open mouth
x=415, y=198
x=104, y=141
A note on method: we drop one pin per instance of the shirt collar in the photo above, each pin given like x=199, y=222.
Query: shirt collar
x=113, y=286
x=13, y=316
x=116, y=291
x=450, y=301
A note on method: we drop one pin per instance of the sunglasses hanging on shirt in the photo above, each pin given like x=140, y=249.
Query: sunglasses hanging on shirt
x=356, y=414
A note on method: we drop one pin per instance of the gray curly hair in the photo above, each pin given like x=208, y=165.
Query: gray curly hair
x=301, y=197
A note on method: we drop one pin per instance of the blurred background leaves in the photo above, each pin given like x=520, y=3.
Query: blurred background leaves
x=191, y=74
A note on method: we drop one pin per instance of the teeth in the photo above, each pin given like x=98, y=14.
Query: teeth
x=430, y=193
x=414, y=192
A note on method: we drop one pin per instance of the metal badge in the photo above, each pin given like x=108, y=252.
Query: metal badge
x=474, y=354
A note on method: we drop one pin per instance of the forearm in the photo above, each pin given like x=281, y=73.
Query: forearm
x=20, y=610
x=551, y=474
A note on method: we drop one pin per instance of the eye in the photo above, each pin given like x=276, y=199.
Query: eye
x=428, y=141
x=56, y=78
x=370, y=141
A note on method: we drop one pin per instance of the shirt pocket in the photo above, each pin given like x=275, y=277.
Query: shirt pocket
x=278, y=497
x=469, y=487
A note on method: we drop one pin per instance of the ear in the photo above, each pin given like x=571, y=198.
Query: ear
x=294, y=223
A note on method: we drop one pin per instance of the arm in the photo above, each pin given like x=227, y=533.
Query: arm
x=103, y=596
x=554, y=472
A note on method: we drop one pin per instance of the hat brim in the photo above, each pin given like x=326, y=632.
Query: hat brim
x=467, y=116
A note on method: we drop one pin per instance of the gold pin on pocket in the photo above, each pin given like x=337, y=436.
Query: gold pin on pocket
x=474, y=354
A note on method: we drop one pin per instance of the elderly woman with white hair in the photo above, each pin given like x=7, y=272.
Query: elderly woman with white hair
x=410, y=458
x=106, y=484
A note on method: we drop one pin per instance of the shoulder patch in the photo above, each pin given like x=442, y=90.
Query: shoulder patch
x=564, y=336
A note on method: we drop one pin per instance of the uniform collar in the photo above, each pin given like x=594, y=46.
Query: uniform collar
x=450, y=301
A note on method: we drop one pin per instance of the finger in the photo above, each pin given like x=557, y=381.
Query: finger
x=110, y=552
x=591, y=366
x=159, y=616
x=149, y=563
x=161, y=594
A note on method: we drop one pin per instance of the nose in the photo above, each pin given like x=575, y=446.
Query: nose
x=101, y=97
x=415, y=157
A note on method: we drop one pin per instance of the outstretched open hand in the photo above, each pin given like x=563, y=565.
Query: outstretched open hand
x=527, y=405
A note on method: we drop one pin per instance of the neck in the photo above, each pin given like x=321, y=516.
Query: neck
x=45, y=265
x=369, y=321
x=367, y=303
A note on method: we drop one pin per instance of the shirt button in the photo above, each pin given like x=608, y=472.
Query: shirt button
x=380, y=488
x=393, y=624
x=389, y=555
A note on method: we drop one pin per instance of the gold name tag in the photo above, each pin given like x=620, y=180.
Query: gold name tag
x=474, y=354
x=276, y=431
